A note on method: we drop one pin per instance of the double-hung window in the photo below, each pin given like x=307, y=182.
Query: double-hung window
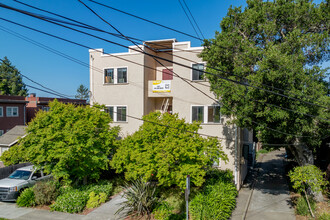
x=197, y=113
x=115, y=75
x=198, y=71
x=12, y=111
x=206, y=114
x=1, y=111
x=117, y=113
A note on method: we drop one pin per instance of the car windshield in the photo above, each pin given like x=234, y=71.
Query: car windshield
x=20, y=174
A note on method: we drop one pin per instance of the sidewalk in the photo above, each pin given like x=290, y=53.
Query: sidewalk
x=104, y=212
x=268, y=196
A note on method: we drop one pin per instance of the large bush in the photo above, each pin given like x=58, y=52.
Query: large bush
x=167, y=149
x=217, y=199
x=26, y=198
x=71, y=142
x=45, y=192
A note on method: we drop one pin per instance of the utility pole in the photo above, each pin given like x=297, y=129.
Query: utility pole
x=187, y=192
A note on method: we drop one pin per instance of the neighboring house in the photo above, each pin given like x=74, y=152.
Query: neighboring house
x=12, y=112
x=10, y=138
x=135, y=84
x=36, y=103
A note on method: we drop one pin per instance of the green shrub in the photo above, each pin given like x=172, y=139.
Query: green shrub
x=72, y=201
x=26, y=198
x=216, y=201
x=101, y=187
x=324, y=216
x=163, y=211
x=302, y=206
x=95, y=200
x=45, y=192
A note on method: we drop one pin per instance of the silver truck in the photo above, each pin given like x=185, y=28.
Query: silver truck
x=20, y=179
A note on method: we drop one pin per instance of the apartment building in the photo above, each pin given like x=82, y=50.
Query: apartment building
x=134, y=84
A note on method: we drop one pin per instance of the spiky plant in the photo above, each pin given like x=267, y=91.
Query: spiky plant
x=140, y=199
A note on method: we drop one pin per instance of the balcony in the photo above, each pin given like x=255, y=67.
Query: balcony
x=159, y=88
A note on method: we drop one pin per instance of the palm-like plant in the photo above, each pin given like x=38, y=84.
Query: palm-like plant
x=140, y=199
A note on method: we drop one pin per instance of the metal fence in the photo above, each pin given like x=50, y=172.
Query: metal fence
x=5, y=171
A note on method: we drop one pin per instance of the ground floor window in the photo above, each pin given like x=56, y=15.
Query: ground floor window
x=12, y=111
x=117, y=113
x=206, y=114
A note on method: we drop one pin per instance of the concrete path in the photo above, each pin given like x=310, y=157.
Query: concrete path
x=268, y=196
x=104, y=212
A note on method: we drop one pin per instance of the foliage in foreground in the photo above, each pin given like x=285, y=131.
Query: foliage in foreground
x=141, y=199
x=73, y=201
x=167, y=149
x=71, y=142
x=302, y=206
x=217, y=199
x=26, y=198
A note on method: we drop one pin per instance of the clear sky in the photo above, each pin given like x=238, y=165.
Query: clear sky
x=63, y=75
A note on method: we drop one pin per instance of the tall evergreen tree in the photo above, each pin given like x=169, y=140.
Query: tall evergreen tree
x=275, y=45
x=82, y=93
x=11, y=82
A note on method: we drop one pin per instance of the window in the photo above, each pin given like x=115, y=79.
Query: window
x=197, y=72
x=12, y=111
x=1, y=132
x=46, y=108
x=122, y=75
x=115, y=76
x=109, y=76
x=121, y=113
x=198, y=113
x=213, y=114
x=109, y=110
x=117, y=113
x=1, y=111
x=167, y=74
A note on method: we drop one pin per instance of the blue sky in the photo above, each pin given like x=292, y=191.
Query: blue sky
x=65, y=76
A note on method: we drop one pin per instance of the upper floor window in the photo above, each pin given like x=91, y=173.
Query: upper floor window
x=198, y=71
x=115, y=75
x=206, y=114
x=1, y=111
x=12, y=111
x=117, y=113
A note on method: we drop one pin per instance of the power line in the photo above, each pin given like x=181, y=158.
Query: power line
x=46, y=91
x=116, y=35
x=193, y=19
x=53, y=91
x=189, y=20
x=152, y=22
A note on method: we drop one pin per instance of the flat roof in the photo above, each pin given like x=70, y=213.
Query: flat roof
x=160, y=45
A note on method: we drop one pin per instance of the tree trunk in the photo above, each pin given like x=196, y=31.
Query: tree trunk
x=304, y=156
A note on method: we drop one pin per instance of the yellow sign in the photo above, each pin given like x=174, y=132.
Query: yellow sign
x=161, y=86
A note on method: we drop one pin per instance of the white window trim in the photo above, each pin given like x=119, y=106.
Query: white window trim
x=191, y=71
x=205, y=116
x=115, y=75
x=115, y=113
x=12, y=115
x=2, y=113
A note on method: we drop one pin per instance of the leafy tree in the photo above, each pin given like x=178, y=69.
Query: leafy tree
x=82, y=92
x=71, y=142
x=163, y=150
x=307, y=177
x=11, y=82
x=281, y=44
